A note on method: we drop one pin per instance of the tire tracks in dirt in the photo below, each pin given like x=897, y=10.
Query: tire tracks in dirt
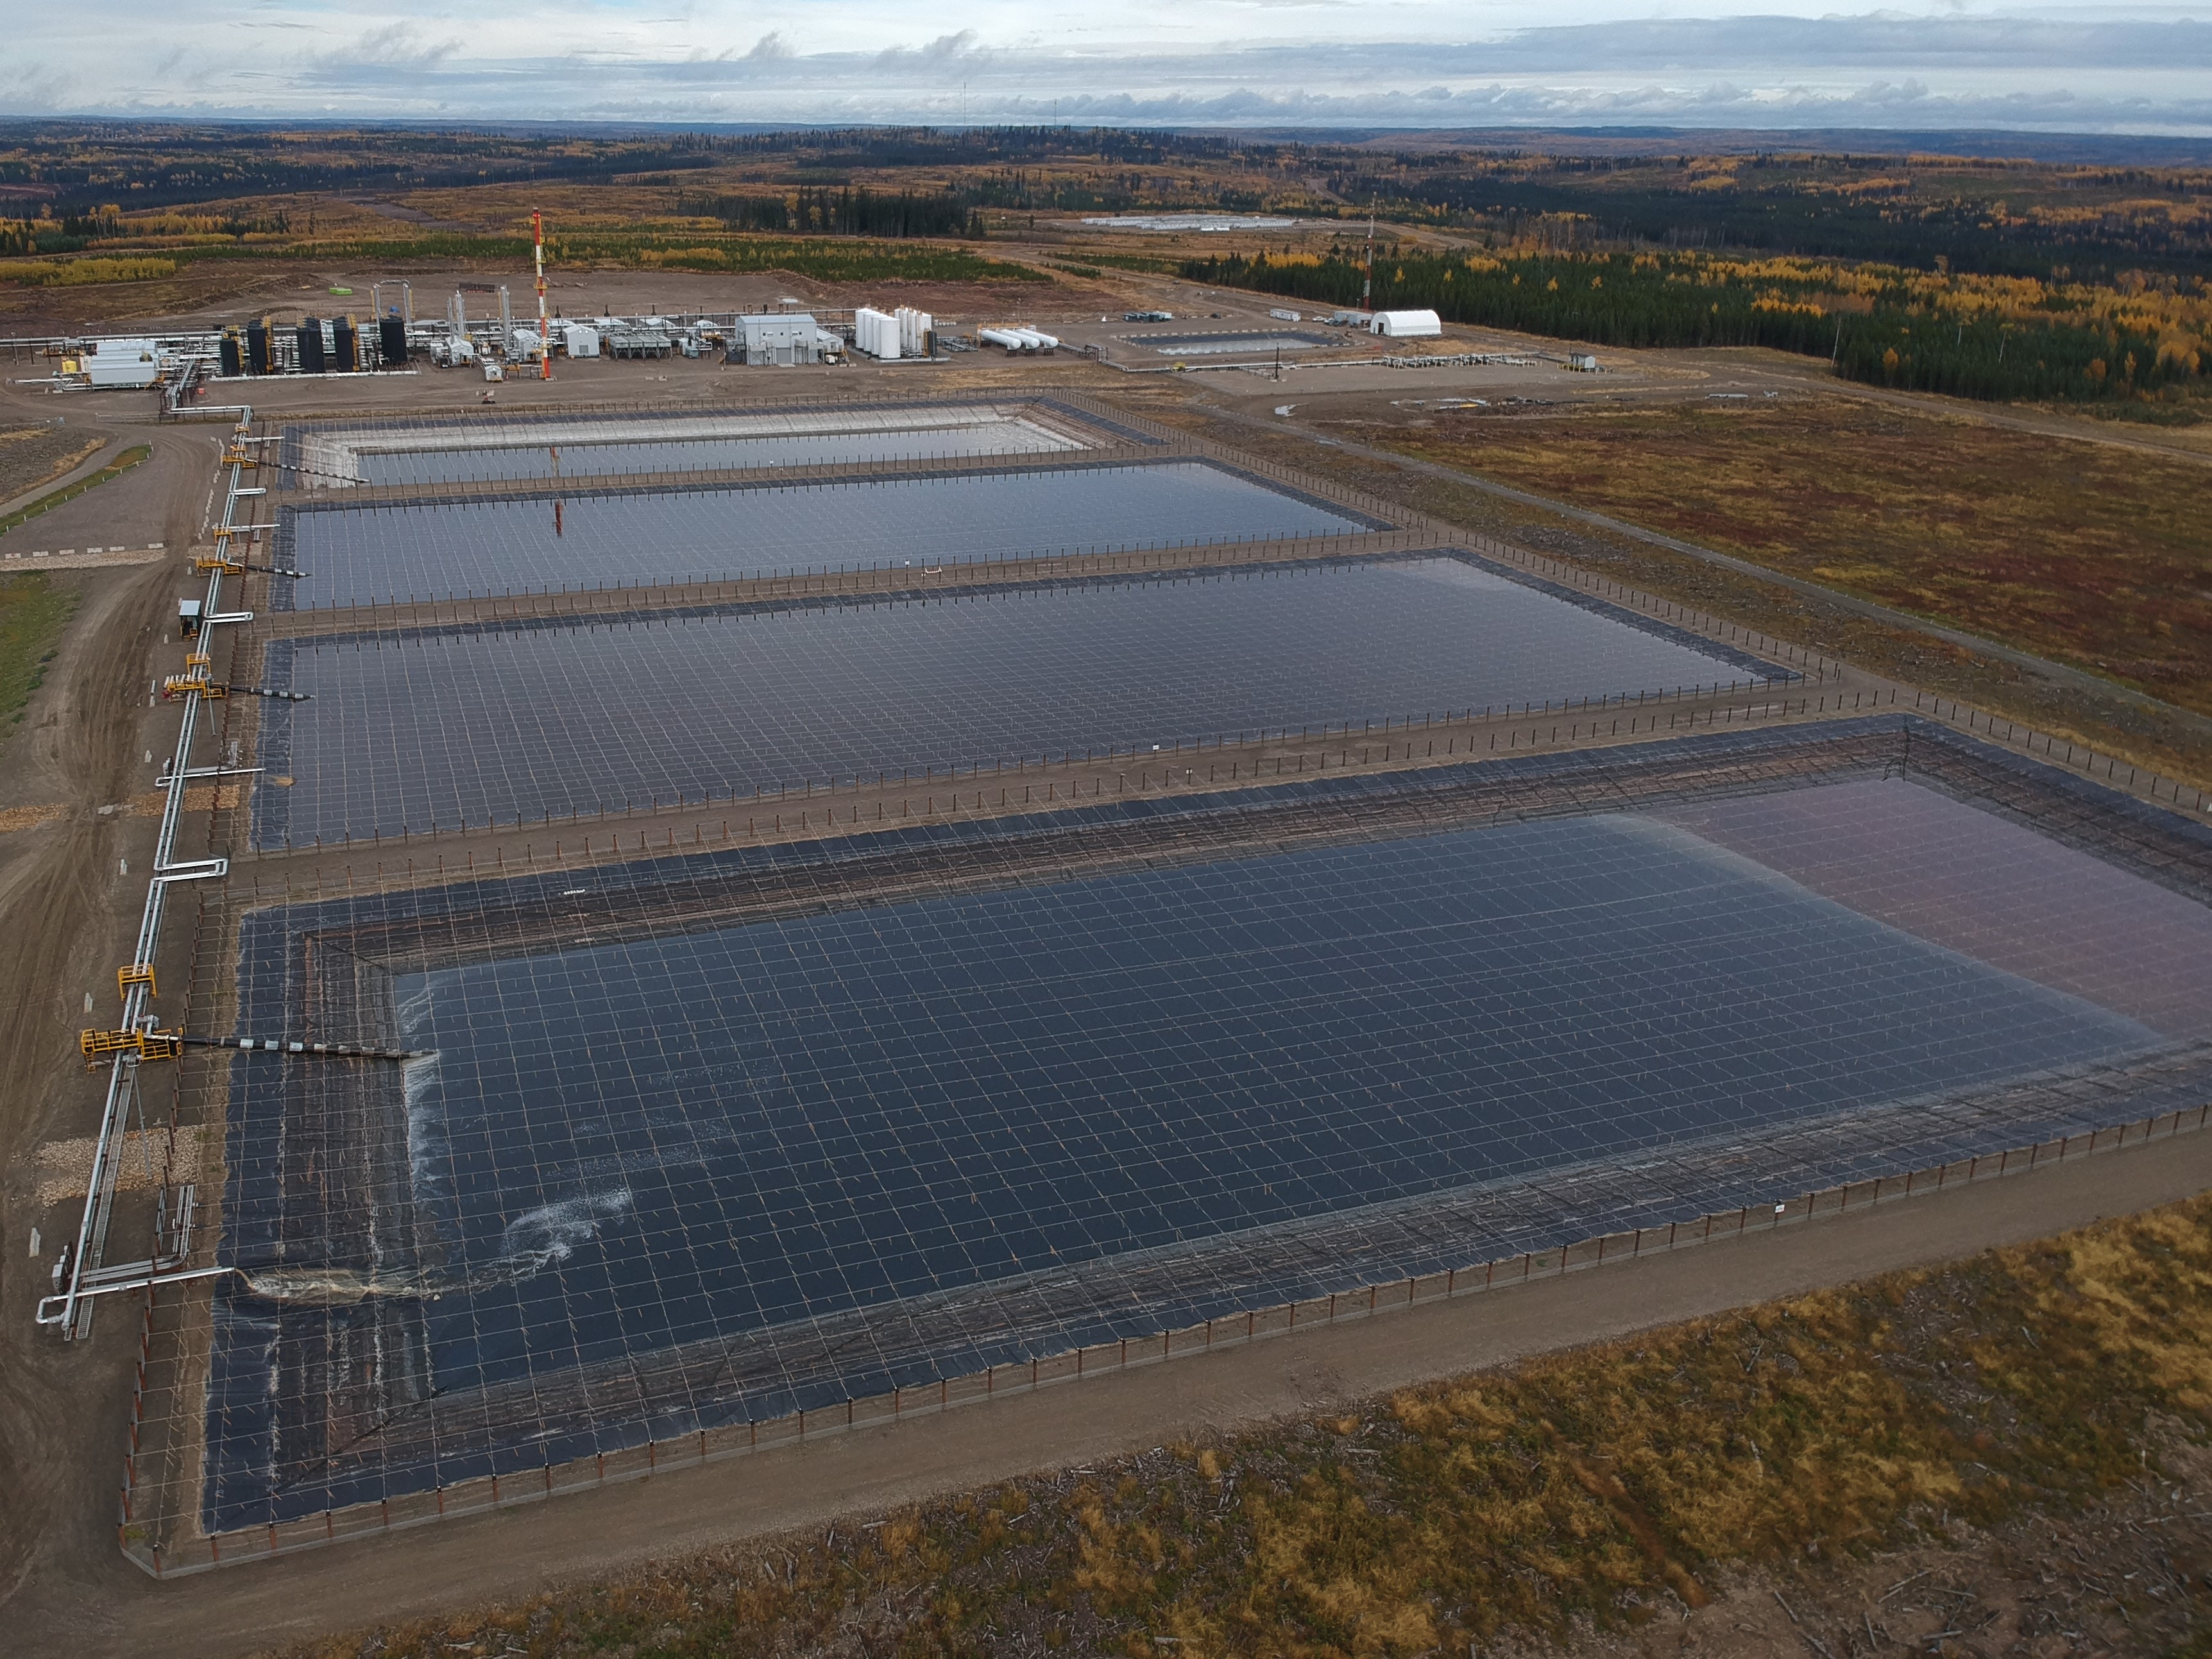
x=67, y=914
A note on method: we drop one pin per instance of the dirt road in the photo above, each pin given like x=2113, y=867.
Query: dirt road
x=66, y=914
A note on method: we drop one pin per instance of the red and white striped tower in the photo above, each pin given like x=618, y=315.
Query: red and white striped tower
x=545, y=334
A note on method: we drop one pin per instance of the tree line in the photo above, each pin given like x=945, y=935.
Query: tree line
x=1627, y=301
x=850, y=212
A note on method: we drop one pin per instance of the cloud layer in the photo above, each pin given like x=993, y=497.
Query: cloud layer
x=1361, y=63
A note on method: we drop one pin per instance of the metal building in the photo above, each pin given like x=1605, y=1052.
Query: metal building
x=782, y=338
x=123, y=363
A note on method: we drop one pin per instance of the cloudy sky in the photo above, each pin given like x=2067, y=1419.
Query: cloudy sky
x=1241, y=62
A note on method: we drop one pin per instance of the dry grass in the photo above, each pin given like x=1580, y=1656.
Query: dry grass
x=33, y=455
x=2079, y=552
x=1588, y=1491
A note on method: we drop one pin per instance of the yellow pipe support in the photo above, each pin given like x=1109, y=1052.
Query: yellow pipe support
x=136, y=972
x=96, y=1046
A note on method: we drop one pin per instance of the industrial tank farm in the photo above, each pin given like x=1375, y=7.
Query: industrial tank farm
x=820, y=912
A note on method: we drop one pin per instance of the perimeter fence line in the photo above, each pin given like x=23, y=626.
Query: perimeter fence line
x=951, y=578
x=731, y=480
x=1106, y=430
x=477, y=415
x=831, y=584
x=764, y=826
x=173, y=1555
x=1068, y=772
x=815, y=806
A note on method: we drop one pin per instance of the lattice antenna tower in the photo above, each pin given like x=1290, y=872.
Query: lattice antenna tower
x=544, y=335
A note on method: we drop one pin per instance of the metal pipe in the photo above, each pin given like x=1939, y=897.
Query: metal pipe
x=123, y=1077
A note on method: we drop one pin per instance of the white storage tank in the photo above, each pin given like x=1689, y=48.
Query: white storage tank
x=915, y=328
x=1408, y=324
x=876, y=332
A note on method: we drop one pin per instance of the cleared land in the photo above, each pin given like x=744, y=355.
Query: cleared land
x=1978, y=1418
x=2083, y=555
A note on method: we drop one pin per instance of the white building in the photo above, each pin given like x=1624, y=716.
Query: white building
x=124, y=363
x=785, y=337
x=1408, y=324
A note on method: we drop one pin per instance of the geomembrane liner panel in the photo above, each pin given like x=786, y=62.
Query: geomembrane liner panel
x=1203, y=345
x=560, y=459
x=359, y=554
x=1993, y=889
x=640, y=1135
x=451, y=728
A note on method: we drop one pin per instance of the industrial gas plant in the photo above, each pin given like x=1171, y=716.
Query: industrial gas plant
x=482, y=331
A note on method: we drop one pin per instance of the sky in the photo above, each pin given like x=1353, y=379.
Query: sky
x=1361, y=63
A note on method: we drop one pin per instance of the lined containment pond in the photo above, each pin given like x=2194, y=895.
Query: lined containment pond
x=556, y=459
x=539, y=542
x=340, y=455
x=699, y=1141
x=446, y=729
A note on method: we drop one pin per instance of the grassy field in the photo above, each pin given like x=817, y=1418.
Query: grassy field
x=2083, y=553
x=33, y=612
x=1596, y=1489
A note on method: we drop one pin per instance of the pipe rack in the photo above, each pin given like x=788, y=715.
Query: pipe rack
x=70, y=1307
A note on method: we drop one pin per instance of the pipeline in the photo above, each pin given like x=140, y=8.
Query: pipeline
x=286, y=1046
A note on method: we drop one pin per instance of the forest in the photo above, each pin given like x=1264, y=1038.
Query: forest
x=822, y=211
x=1926, y=212
x=2011, y=339
x=67, y=186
